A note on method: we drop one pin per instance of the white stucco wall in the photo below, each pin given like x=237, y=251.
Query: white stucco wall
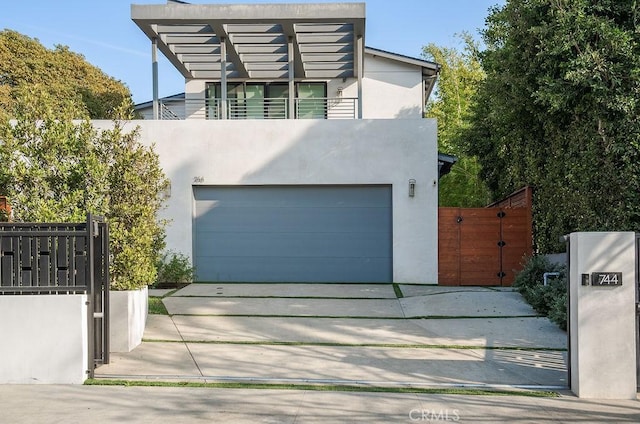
x=391, y=89
x=308, y=152
x=195, y=95
x=44, y=339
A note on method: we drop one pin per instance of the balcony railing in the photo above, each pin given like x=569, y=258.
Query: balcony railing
x=259, y=108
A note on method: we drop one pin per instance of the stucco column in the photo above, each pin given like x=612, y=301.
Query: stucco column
x=602, y=315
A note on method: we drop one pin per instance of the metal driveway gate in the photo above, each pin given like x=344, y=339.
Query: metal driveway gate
x=59, y=259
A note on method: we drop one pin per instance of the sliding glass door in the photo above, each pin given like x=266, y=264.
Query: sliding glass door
x=312, y=100
x=248, y=100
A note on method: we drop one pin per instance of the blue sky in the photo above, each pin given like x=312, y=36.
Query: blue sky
x=103, y=32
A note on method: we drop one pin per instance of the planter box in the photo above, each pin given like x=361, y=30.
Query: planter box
x=44, y=339
x=127, y=318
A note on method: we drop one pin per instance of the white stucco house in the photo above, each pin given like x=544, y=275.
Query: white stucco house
x=295, y=154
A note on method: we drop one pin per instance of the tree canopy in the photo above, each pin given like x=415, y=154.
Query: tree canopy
x=64, y=75
x=460, y=75
x=57, y=169
x=559, y=109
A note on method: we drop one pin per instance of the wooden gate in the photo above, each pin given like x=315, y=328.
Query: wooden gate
x=482, y=246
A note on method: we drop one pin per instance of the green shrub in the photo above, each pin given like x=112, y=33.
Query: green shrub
x=57, y=169
x=174, y=269
x=549, y=300
x=558, y=310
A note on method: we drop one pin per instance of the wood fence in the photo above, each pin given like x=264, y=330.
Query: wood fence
x=485, y=246
x=4, y=207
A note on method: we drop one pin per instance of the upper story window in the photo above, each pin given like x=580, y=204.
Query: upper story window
x=257, y=100
x=311, y=100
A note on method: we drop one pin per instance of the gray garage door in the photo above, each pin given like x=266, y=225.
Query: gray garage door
x=293, y=234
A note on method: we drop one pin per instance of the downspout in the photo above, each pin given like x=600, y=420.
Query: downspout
x=360, y=65
x=292, y=83
x=223, y=78
x=154, y=73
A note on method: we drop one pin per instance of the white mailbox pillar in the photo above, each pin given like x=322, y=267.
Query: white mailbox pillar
x=602, y=315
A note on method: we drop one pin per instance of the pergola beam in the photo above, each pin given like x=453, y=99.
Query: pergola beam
x=232, y=53
x=294, y=50
x=190, y=36
x=247, y=13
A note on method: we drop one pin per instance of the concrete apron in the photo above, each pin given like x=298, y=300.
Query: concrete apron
x=347, y=334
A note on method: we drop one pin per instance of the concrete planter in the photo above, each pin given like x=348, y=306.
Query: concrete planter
x=127, y=318
x=44, y=339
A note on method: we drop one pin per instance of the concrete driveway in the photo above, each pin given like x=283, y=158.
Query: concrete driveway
x=347, y=334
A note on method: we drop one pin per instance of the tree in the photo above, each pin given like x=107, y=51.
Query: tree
x=56, y=169
x=559, y=110
x=136, y=185
x=51, y=169
x=460, y=75
x=66, y=76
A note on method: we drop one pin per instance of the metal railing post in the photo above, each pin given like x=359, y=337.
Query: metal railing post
x=90, y=270
x=105, y=292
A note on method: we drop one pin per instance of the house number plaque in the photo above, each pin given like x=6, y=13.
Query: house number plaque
x=606, y=278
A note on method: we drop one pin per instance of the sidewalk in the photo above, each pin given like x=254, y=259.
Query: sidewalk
x=106, y=404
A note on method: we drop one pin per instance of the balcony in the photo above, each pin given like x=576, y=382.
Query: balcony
x=258, y=108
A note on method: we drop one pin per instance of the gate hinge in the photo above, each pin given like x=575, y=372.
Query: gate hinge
x=502, y=243
x=638, y=309
x=459, y=219
x=501, y=274
x=501, y=214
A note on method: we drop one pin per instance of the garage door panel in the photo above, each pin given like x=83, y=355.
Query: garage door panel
x=353, y=245
x=295, y=219
x=272, y=270
x=283, y=196
x=293, y=233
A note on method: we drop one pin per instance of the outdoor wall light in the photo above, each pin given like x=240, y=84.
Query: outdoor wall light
x=166, y=193
x=412, y=188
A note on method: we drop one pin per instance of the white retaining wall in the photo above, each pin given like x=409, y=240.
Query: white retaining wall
x=43, y=339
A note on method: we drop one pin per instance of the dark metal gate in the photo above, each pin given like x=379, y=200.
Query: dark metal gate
x=59, y=259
